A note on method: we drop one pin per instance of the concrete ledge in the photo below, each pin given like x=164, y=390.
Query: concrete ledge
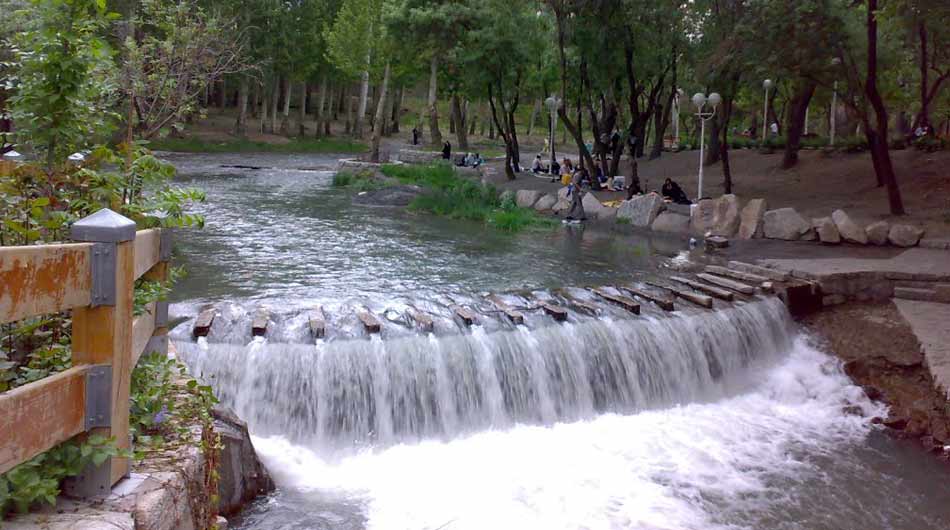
x=931, y=323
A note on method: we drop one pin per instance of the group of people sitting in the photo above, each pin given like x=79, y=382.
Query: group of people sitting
x=469, y=160
x=596, y=179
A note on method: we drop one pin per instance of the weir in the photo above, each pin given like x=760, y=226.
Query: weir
x=347, y=393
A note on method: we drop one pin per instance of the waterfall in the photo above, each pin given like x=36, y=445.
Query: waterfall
x=362, y=392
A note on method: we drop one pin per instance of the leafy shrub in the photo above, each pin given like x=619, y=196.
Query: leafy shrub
x=930, y=144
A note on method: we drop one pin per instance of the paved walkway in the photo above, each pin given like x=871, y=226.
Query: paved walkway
x=920, y=264
x=931, y=323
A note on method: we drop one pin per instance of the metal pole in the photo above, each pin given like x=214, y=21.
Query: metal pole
x=765, y=115
x=676, y=123
x=806, y=121
x=702, y=140
x=834, y=107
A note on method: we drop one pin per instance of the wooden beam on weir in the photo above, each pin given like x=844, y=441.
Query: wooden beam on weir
x=515, y=317
x=738, y=275
x=465, y=314
x=696, y=298
x=663, y=302
x=203, y=323
x=721, y=294
x=727, y=283
x=422, y=320
x=370, y=322
x=317, y=320
x=259, y=322
x=557, y=312
x=619, y=300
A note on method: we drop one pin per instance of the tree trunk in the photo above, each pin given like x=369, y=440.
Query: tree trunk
x=240, y=128
x=884, y=168
x=380, y=120
x=254, y=102
x=660, y=120
x=302, y=122
x=712, y=148
x=796, y=122
x=397, y=108
x=534, y=116
x=285, y=116
x=434, y=133
x=263, y=109
x=461, y=131
x=364, y=97
x=319, y=112
x=275, y=97
x=727, y=105
x=348, y=101
x=474, y=119
x=222, y=94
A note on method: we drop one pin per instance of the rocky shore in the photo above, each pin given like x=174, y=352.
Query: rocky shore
x=881, y=354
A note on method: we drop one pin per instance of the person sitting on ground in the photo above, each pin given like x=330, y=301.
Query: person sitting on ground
x=567, y=171
x=634, y=187
x=477, y=160
x=599, y=179
x=674, y=192
x=446, y=151
x=554, y=170
x=537, y=166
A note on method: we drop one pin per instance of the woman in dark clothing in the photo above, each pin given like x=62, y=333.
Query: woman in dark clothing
x=577, y=196
x=447, y=151
x=674, y=192
x=634, y=187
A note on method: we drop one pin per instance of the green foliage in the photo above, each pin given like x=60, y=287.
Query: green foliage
x=296, y=145
x=38, y=479
x=930, y=144
x=361, y=181
x=65, y=78
x=459, y=198
x=32, y=349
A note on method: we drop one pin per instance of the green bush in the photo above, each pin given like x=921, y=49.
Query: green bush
x=296, y=145
x=362, y=181
x=930, y=144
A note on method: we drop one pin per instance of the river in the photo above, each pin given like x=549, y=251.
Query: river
x=691, y=420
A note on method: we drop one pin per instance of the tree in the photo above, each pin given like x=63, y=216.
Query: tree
x=350, y=45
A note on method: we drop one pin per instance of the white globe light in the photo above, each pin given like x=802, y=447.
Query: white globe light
x=767, y=84
x=715, y=99
x=699, y=99
x=551, y=103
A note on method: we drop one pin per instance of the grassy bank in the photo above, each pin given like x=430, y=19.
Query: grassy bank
x=459, y=198
x=296, y=145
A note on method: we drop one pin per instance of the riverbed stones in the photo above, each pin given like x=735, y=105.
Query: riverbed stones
x=242, y=477
x=717, y=217
x=671, y=222
x=546, y=202
x=904, y=235
x=593, y=207
x=849, y=230
x=877, y=232
x=826, y=230
x=784, y=223
x=563, y=203
x=527, y=198
x=750, y=219
x=641, y=210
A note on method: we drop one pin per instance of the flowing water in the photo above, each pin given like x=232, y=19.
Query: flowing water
x=691, y=420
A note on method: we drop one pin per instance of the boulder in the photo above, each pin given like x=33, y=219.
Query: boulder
x=593, y=207
x=849, y=230
x=546, y=202
x=904, y=235
x=400, y=195
x=784, y=223
x=608, y=213
x=671, y=222
x=827, y=231
x=506, y=197
x=527, y=198
x=641, y=210
x=242, y=477
x=562, y=205
x=750, y=219
x=718, y=217
x=877, y=232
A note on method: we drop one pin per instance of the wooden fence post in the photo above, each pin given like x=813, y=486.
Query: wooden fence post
x=159, y=272
x=102, y=336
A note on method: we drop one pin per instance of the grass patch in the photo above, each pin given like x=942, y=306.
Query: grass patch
x=296, y=145
x=459, y=198
x=361, y=181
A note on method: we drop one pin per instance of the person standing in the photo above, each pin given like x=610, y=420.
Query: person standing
x=447, y=151
x=415, y=136
x=577, y=195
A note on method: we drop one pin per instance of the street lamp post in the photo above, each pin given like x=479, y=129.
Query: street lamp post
x=767, y=84
x=680, y=96
x=834, y=104
x=700, y=100
x=552, y=103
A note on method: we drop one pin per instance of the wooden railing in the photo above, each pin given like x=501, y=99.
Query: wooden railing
x=94, y=279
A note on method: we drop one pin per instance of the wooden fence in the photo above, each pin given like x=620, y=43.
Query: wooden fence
x=95, y=279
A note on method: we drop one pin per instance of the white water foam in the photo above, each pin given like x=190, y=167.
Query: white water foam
x=698, y=466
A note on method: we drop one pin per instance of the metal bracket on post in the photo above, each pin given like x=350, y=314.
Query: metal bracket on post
x=98, y=396
x=165, y=245
x=103, y=274
x=161, y=314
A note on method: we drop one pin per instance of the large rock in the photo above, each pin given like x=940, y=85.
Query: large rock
x=593, y=207
x=718, y=217
x=750, y=219
x=527, y=198
x=784, y=223
x=400, y=195
x=546, y=202
x=827, y=231
x=904, y=235
x=242, y=477
x=877, y=232
x=850, y=231
x=671, y=222
x=641, y=210
x=563, y=203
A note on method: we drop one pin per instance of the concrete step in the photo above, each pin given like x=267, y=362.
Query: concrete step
x=915, y=293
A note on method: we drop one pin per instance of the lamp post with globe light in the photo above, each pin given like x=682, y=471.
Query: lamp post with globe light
x=767, y=84
x=552, y=103
x=677, y=103
x=700, y=100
